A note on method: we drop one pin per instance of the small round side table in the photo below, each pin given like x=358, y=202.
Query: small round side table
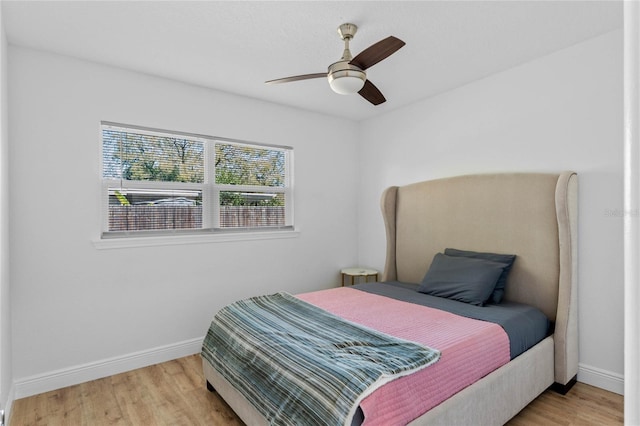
x=358, y=272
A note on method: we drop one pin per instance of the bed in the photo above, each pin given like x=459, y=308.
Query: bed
x=530, y=215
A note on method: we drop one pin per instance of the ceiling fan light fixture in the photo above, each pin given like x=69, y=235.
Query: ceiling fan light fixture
x=346, y=79
x=347, y=82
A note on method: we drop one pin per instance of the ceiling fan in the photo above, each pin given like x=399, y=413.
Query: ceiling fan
x=348, y=75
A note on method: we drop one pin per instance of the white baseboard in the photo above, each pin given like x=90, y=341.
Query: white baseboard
x=96, y=370
x=607, y=380
x=7, y=404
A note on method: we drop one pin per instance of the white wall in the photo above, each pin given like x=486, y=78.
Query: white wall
x=560, y=112
x=74, y=305
x=6, y=368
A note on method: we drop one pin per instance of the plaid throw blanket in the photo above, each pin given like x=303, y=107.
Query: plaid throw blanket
x=299, y=364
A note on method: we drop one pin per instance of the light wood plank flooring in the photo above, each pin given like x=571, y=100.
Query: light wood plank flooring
x=174, y=393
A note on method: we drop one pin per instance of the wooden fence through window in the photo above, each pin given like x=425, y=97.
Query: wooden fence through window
x=145, y=218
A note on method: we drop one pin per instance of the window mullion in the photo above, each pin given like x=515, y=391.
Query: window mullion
x=209, y=204
x=288, y=195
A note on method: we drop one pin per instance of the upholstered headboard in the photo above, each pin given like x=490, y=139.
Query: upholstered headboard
x=531, y=215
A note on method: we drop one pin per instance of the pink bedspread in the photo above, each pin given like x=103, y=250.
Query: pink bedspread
x=470, y=349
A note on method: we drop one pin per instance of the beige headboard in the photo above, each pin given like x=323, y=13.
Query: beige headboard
x=531, y=215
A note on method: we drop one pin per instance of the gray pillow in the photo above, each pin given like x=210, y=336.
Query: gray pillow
x=507, y=259
x=464, y=279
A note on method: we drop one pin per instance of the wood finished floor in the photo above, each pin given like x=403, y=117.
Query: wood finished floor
x=174, y=393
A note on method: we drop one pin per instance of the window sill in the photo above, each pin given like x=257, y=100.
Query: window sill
x=168, y=240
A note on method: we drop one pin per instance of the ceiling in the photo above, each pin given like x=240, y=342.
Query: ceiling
x=234, y=46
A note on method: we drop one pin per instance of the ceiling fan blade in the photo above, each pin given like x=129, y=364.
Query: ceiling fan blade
x=377, y=52
x=296, y=78
x=371, y=93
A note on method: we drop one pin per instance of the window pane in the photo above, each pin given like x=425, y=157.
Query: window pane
x=142, y=157
x=251, y=209
x=144, y=210
x=247, y=165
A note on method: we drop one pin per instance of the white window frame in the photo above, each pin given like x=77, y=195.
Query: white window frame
x=211, y=230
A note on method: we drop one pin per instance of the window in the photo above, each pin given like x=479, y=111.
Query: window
x=157, y=182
